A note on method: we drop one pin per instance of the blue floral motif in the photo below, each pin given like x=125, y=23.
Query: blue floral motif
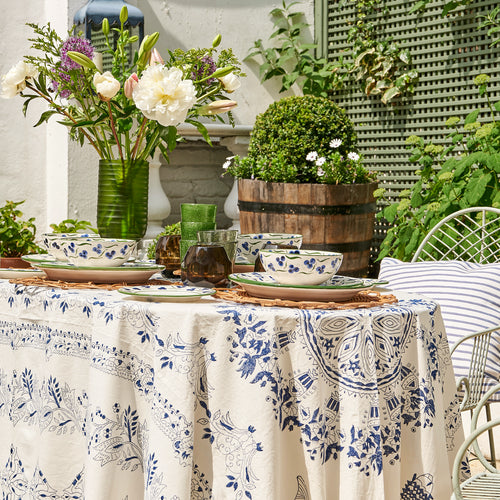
x=418, y=488
x=83, y=254
x=309, y=263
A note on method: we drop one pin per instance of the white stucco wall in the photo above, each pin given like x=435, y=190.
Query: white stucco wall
x=58, y=179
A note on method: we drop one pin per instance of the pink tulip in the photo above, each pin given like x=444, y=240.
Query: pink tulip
x=155, y=58
x=130, y=84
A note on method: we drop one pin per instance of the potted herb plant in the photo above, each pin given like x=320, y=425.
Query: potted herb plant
x=17, y=236
x=302, y=174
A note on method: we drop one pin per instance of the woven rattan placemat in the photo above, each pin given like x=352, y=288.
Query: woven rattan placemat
x=39, y=281
x=364, y=299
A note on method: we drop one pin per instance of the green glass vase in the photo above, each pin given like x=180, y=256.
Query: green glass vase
x=122, y=201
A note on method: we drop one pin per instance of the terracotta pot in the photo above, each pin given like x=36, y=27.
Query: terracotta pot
x=14, y=262
x=339, y=218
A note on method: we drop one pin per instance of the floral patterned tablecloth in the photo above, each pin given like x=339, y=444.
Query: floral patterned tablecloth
x=108, y=397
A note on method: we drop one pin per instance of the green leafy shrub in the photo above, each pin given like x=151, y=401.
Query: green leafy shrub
x=73, y=226
x=17, y=236
x=302, y=139
x=463, y=173
x=292, y=58
x=168, y=230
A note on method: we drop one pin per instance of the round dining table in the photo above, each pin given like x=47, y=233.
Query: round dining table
x=106, y=396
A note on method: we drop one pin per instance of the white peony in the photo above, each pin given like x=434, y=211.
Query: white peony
x=14, y=81
x=230, y=82
x=162, y=95
x=106, y=85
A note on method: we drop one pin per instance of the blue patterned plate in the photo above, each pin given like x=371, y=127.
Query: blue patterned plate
x=171, y=293
x=336, y=289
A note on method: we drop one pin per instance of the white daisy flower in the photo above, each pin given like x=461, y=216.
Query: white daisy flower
x=320, y=172
x=320, y=161
x=335, y=143
x=353, y=156
x=312, y=156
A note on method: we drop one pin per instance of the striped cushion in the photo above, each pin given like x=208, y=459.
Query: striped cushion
x=469, y=296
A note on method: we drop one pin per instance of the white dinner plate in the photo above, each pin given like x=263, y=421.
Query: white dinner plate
x=170, y=293
x=130, y=272
x=336, y=289
x=10, y=272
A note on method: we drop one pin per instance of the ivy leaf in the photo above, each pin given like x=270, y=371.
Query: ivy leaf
x=390, y=94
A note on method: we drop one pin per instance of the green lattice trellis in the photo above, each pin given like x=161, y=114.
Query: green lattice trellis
x=447, y=52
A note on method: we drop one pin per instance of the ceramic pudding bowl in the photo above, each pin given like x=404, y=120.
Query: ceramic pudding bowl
x=248, y=246
x=53, y=242
x=98, y=252
x=300, y=267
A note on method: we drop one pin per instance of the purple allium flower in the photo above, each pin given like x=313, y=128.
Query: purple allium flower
x=75, y=44
x=205, y=67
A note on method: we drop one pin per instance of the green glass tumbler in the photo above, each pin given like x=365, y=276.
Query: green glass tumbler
x=122, y=201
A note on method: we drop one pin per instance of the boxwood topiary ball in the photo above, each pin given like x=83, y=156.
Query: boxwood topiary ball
x=294, y=126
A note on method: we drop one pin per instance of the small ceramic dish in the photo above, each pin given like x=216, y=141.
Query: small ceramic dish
x=249, y=245
x=103, y=252
x=300, y=267
x=53, y=243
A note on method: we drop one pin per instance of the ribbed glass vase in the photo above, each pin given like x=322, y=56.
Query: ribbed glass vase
x=122, y=202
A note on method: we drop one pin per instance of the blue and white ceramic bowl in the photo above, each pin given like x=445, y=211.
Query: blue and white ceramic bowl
x=248, y=245
x=53, y=242
x=300, y=267
x=98, y=252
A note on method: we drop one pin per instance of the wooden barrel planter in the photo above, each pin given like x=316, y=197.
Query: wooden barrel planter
x=340, y=218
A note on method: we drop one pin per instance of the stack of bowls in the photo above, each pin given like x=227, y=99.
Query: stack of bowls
x=89, y=250
x=98, y=252
x=195, y=217
x=53, y=242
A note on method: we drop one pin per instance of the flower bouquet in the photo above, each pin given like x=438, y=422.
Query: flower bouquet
x=127, y=112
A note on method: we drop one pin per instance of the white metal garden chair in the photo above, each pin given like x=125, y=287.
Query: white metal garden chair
x=471, y=235
x=484, y=485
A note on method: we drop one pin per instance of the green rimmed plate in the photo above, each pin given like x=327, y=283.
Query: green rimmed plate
x=337, y=289
x=168, y=293
x=130, y=272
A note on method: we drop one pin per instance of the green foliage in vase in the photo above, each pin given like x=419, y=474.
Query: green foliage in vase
x=292, y=58
x=167, y=231
x=17, y=235
x=465, y=172
x=302, y=139
x=73, y=226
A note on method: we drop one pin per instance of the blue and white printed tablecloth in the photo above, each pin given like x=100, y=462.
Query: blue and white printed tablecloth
x=105, y=397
